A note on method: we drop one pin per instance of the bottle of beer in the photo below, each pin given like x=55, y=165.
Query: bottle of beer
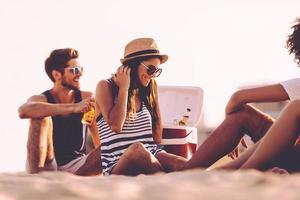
x=89, y=116
x=185, y=118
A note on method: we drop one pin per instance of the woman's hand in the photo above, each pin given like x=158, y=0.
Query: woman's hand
x=122, y=77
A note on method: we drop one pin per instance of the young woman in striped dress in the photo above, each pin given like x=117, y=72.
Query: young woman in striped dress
x=128, y=116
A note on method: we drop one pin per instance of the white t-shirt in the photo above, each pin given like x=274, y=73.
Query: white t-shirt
x=292, y=87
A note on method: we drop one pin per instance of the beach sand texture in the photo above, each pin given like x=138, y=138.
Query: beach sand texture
x=192, y=184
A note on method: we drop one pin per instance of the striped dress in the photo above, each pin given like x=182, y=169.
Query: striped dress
x=113, y=145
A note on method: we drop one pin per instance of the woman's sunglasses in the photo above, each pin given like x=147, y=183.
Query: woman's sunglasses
x=152, y=70
x=75, y=70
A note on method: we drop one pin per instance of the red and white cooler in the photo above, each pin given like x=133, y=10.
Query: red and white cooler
x=174, y=101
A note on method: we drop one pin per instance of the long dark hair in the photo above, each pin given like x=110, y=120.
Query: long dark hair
x=146, y=94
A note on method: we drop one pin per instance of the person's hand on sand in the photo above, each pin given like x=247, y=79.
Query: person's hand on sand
x=235, y=153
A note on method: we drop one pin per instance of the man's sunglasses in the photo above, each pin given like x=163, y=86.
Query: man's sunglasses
x=152, y=70
x=75, y=70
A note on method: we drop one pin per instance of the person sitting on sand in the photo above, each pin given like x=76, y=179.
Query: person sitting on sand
x=56, y=134
x=129, y=119
x=276, y=142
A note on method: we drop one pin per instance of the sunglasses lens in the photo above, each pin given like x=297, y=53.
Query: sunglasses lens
x=157, y=72
x=151, y=69
x=76, y=70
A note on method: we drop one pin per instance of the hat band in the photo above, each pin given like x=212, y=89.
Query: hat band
x=138, y=53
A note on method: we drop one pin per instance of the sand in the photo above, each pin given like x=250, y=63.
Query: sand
x=193, y=184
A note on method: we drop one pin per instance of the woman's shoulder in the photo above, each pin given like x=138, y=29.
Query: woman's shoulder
x=105, y=82
x=107, y=85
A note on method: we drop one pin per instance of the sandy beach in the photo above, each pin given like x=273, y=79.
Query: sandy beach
x=193, y=184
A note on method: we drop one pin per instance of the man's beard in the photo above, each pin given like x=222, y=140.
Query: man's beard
x=67, y=85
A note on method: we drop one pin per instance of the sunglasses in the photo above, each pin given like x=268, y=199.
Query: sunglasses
x=75, y=70
x=152, y=70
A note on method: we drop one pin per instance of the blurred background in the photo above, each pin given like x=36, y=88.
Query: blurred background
x=218, y=45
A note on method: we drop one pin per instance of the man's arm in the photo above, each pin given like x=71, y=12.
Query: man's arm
x=271, y=93
x=37, y=107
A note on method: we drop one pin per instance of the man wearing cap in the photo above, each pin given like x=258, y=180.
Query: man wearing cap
x=57, y=138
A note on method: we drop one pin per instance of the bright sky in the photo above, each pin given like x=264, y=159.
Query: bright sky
x=218, y=45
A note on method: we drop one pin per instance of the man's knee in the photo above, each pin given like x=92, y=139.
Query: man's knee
x=246, y=112
x=255, y=122
x=249, y=113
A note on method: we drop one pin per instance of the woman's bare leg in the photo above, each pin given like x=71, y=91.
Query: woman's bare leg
x=137, y=160
x=92, y=165
x=281, y=136
x=171, y=162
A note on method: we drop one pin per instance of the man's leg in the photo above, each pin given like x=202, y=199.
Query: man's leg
x=227, y=136
x=239, y=161
x=92, y=165
x=137, y=160
x=40, y=145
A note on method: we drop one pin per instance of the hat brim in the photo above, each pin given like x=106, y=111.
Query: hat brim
x=163, y=57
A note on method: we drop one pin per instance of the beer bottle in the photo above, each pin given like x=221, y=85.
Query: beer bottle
x=185, y=118
x=88, y=116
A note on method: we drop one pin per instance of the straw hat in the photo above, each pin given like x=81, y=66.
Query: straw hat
x=142, y=47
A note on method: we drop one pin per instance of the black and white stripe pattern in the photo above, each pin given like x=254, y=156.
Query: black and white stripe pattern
x=113, y=145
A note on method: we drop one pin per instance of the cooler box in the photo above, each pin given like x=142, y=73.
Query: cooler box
x=173, y=101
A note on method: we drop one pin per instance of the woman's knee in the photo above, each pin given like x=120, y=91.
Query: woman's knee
x=138, y=152
x=137, y=148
